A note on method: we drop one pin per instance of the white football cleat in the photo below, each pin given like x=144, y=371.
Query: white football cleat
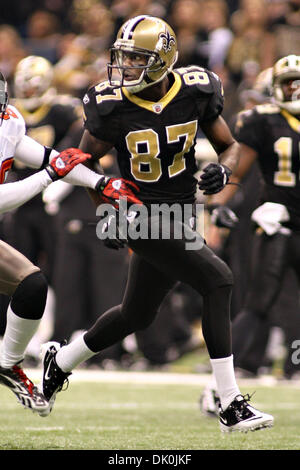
x=240, y=416
x=210, y=402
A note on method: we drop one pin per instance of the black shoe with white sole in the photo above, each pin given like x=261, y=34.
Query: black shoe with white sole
x=240, y=416
x=53, y=377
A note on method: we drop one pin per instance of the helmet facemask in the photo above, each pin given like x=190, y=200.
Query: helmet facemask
x=118, y=57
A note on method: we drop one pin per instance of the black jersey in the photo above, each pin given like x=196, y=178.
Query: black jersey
x=50, y=123
x=275, y=135
x=155, y=141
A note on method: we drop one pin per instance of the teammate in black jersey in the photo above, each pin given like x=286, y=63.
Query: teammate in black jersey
x=272, y=133
x=151, y=114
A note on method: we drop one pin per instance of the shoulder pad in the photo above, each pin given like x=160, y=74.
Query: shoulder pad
x=15, y=121
x=256, y=113
x=12, y=112
x=241, y=116
x=199, y=78
x=105, y=97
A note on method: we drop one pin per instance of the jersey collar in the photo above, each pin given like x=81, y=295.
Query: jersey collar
x=159, y=106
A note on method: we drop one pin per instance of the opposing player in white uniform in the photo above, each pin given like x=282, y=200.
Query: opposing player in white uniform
x=19, y=278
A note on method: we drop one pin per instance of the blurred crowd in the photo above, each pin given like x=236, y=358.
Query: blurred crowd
x=237, y=39
x=234, y=38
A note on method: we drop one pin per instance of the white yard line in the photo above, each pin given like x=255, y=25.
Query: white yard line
x=83, y=375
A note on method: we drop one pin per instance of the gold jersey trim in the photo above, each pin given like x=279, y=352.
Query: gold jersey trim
x=159, y=106
x=32, y=118
x=293, y=122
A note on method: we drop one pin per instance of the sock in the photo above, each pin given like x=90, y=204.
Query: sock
x=45, y=330
x=212, y=383
x=18, y=333
x=70, y=356
x=225, y=379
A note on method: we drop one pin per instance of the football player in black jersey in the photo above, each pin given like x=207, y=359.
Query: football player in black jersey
x=270, y=134
x=151, y=115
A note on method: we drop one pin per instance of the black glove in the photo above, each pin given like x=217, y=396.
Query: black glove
x=110, y=228
x=116, y=232
x=222, y=216
x=214, y=177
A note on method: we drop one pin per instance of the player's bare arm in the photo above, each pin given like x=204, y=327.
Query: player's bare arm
x=227, y=148
x=216, y=175
x=247, y=156
x=98, y=149
x=105, y=192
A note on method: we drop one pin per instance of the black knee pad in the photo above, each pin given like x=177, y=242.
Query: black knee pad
x=29, y=299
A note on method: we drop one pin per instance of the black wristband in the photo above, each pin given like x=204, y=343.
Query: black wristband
x=102, y=183
x=47, y=152
x=52, y=173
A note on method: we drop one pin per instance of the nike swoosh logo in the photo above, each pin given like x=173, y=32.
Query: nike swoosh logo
x=223, y=420
x=255, y=417
x=47, y=377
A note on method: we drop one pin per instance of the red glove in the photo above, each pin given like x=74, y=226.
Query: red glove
x=114, y=189
x=63, y=163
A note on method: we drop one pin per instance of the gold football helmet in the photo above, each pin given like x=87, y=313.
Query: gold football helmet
x=33, y=77
x=149, y=38
x=287, y=68
x=261, y=92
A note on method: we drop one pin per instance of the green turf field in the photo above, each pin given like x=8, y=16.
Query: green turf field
x=133, y=415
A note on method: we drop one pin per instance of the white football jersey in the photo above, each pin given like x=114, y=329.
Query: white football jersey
x=14, y=143
x=12, y=131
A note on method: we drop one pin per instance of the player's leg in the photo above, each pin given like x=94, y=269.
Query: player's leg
x=201, y=269
x=26, y=285
x=167, y=260
x=253, y=323
x=145, y=290
x=291, y=321
x=210, y=276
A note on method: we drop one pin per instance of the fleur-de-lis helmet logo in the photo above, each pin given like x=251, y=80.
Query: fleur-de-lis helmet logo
x=167, y=41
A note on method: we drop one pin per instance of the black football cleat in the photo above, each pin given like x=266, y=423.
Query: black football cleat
x=53, y=377
x=240, y=416
x=26, y=392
